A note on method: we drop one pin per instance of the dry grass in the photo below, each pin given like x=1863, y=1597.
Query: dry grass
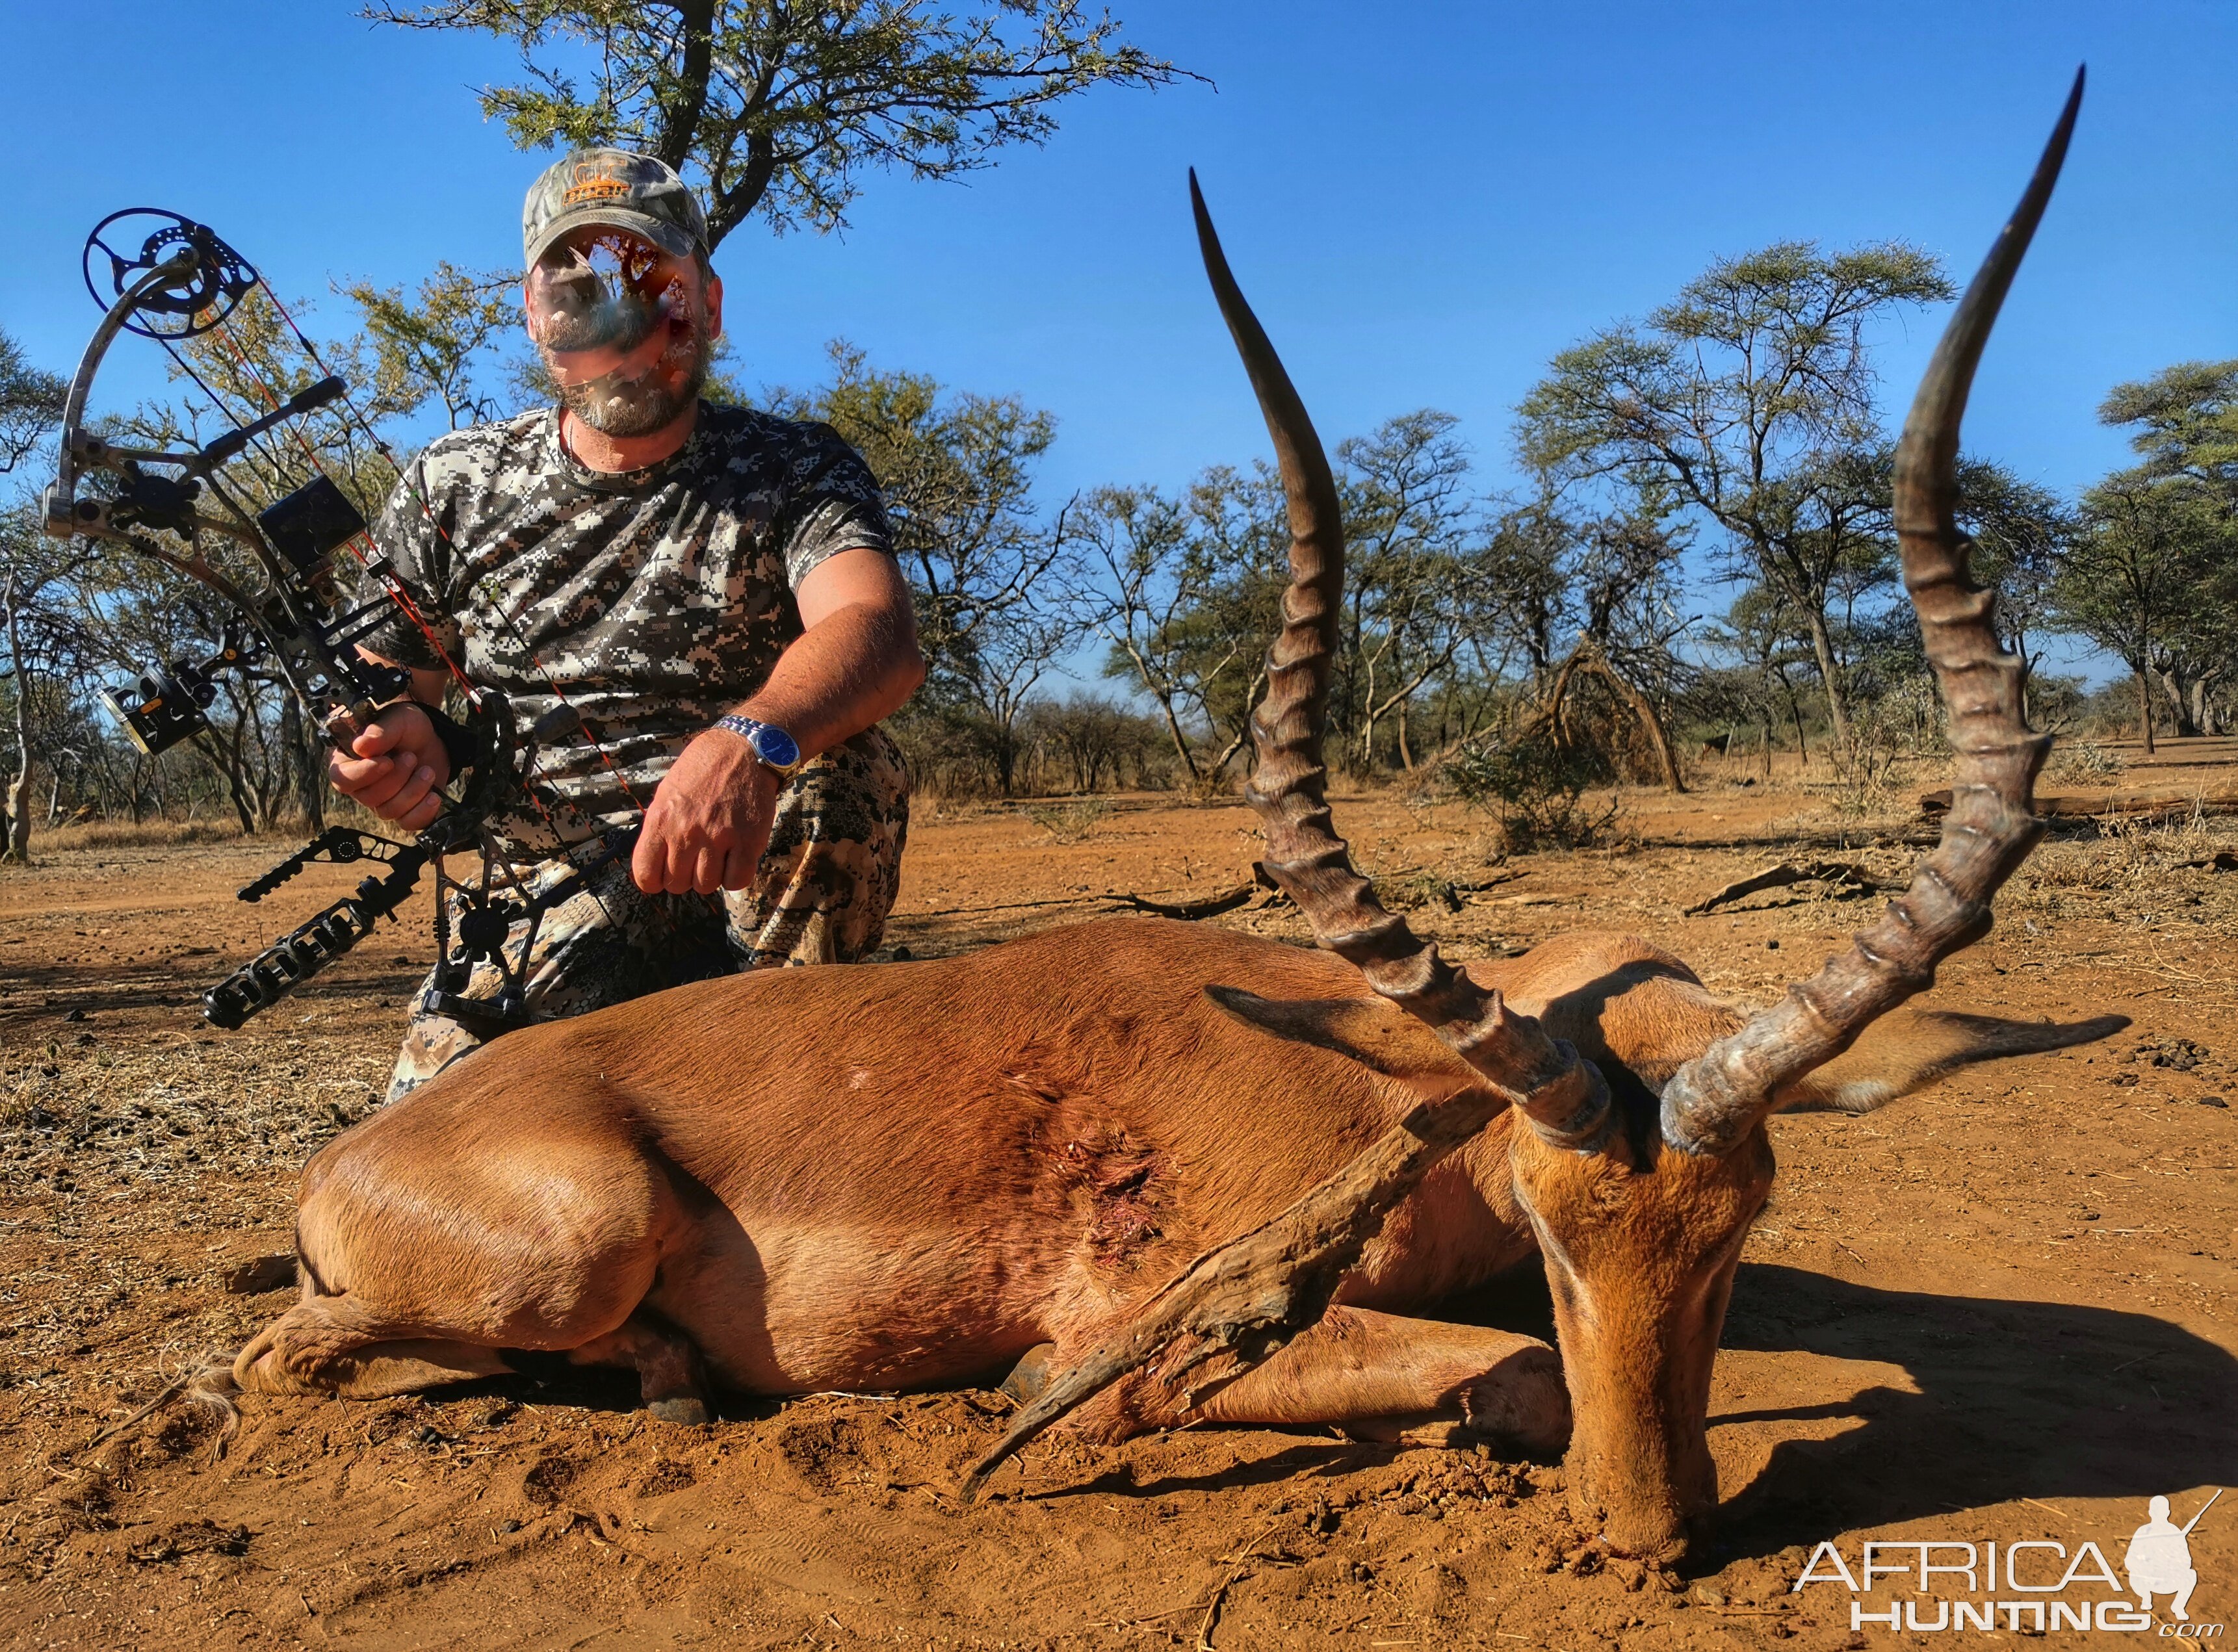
x=1070, y=822
x=109, y=1144
x=145, y=834
x=2078, y=757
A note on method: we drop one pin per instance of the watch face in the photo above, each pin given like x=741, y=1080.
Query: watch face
x=774, y=747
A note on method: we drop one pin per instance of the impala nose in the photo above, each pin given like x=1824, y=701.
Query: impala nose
x=1660, y=1536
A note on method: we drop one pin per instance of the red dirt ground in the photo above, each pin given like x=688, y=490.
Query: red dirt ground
x=2001, y=1309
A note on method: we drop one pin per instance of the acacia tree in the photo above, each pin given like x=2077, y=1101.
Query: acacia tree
x=1239, y=563
x=1137, y=579
x=42, y=646
x=1629, y=616
x=31, y=403
x=1413, y=577
x=2135, y=572
x=1528, y=582
x=1750, y=397
x=435, y=344
x=2023, y=534
x=986, y=573
x=1182, y=591
x=777, y=108
x=1767, y=643
x=2185, y=420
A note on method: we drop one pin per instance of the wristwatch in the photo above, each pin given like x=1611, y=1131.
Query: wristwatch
x=772, y=747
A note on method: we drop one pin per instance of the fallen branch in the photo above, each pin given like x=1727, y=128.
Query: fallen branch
x=1001, y=906
x=1210, y=906
x=1935, y=804
x=1842, y=874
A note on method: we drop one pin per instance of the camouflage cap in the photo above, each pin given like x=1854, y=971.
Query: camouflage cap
x=632, y=192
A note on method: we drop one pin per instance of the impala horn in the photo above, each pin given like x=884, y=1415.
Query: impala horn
x=1714, y=1099
x=1564, y=1097
x=1240, y=1301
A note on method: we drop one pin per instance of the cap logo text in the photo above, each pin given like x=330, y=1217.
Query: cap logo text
x=596, y=180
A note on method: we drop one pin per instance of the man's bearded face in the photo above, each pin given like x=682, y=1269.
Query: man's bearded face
x=623, y=327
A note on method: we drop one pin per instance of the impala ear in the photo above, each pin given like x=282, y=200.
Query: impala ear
x=1372, y=1031
x=1908, y=1049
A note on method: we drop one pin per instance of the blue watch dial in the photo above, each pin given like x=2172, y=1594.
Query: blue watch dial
x=774, y=746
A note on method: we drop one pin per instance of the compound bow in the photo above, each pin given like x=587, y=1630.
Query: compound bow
x=180, y=281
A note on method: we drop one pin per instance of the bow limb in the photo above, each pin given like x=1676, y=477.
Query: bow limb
x=62, y=517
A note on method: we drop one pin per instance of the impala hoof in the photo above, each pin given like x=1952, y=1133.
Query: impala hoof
x=682, y=1409
x=1030, y=1375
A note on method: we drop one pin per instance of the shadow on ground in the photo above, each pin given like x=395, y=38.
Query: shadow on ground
x=2015, y=1399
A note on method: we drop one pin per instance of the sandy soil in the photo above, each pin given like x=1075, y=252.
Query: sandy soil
x=2000, y=1310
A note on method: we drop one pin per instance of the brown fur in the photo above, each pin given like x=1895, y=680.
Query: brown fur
x=908, y=1175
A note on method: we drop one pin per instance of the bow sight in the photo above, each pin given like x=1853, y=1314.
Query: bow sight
x=169, y=279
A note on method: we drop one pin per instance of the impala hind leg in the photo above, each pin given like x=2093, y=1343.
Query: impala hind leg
x=1377, y=1375
x=331, y=1345
x=440, y=1239
x=671, y=1374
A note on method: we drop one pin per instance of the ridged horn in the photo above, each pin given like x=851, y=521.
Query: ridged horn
x=1714, y=1099
x=1563, y=1096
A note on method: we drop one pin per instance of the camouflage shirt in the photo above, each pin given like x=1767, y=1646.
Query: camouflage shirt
x=656, y=600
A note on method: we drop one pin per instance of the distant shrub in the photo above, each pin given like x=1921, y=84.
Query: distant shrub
x=1534, y=788
x=1070, y=822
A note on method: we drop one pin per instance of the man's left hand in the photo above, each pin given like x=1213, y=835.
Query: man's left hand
x=709, y=821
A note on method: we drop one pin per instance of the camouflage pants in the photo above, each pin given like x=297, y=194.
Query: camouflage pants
x=826, y=884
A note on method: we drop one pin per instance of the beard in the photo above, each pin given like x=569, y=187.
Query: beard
x=634, y=399
x=623, y=403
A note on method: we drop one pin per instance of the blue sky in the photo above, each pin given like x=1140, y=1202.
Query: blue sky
x=1424, y=202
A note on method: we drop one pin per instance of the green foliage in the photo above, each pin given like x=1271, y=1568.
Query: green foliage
x=1184, y=594
x=1086, y=743
x=1080, y=744
x=1533, y=785
x=2021, y=534
x=1749, y=400
x=437, y=344
x=2134, y=582
x=2187, y=417
x=1416, y=589
x=2157, y=583
x=957, y=472
x=30, y=404
x=778, y=110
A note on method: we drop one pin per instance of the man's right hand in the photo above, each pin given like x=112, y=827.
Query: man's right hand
x=394, y=766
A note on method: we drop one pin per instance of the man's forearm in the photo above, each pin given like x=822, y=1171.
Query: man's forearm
x=856, y=665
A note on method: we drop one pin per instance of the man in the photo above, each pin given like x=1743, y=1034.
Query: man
x=2158, y=1560
x=712, y=589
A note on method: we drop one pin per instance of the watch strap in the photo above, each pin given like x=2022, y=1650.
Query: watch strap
x=748, y=728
